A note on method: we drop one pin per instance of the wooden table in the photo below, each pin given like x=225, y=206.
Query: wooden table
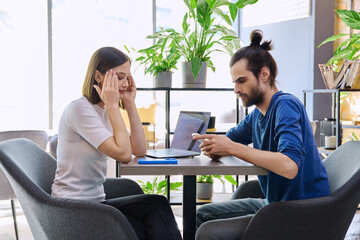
x=189, y=168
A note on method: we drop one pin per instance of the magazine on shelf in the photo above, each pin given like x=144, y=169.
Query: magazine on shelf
x=327, y=74
x=343, y=74
x=354, y=74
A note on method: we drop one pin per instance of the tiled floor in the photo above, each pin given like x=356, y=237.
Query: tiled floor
x=7, y=224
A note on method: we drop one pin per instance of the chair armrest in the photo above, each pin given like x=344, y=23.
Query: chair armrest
x=223, y=229
x=248, y=189
x=120, y=187
x=69, y=219
x=302, y=219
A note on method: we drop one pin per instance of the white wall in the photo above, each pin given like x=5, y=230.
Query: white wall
x=296, y=53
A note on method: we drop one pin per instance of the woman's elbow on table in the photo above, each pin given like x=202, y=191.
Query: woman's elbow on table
x=123, y=157
x=139, y=153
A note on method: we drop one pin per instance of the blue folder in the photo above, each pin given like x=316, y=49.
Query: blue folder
x=158, y=161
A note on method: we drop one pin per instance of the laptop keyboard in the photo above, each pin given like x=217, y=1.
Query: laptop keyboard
x=167, y=152
x=171, y=152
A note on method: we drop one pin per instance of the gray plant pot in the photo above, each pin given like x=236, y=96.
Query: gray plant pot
x=188, y=78
x=163, y=80
x=204, y=190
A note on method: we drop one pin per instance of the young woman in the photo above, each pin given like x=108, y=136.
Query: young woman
x=92, y=129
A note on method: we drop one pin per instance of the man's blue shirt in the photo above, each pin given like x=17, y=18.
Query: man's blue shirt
x=285, y=128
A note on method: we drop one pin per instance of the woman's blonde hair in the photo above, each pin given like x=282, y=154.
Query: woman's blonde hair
x=102, y=60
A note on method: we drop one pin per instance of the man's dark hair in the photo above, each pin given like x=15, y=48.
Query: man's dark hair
x=257, y=56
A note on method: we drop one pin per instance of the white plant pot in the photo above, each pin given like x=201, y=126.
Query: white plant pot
x=188, y=80
x=163, y=80
x=204, y=190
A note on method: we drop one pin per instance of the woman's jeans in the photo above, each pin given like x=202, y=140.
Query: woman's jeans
x=228, y=209
x=150, y=216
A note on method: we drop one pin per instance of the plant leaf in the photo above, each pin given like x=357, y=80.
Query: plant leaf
x=223, y=15
x=185, y=25
x=148, y=185
x=343, y=54
x=190, y=6
x=203, y=14
x=233, y=11
x=196, y=66
x=333, y=38
x=211, y=65
x=193, y=3
x=350, y=18
x=243, y=3
x=219, y=177
x=162, y=184
x=126, y=48
x=175, y=185
x=230, y=179
x=219, y=3
x=211, y=3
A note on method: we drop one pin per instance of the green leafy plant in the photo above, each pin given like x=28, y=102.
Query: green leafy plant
x=160, y=57
x=353, y=137
x=201, y=35
x=210, y=179
x=157, y=186
x=349, y=48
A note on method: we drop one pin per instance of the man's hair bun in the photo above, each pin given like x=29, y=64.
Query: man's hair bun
x=256, y=37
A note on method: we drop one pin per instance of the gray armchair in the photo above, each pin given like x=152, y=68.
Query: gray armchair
x=31, y=172
x=319, y=218
x=53, y=142
x=6, y=191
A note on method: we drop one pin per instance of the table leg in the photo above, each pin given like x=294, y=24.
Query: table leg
x=189, y=207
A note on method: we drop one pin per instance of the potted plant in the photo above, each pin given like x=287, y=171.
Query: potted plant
x=201, y=35
x=349, y=48
x=204, y=185
x=157, y=186
x=159, y=60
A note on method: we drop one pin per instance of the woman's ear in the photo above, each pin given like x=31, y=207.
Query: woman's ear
x=98, y=77
x=265, y=74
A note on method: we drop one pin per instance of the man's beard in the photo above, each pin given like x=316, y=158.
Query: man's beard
x=256, y=97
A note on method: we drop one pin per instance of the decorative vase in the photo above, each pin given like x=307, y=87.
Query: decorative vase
x=204, y=190
x=163, y=80
x=188, y=80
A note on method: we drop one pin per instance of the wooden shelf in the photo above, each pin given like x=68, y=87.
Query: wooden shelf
x=326, y=151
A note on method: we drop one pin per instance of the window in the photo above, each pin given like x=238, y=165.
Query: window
x=23, y=65
x=80, y=28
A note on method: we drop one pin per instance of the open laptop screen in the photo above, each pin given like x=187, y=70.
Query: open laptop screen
x=189, y=122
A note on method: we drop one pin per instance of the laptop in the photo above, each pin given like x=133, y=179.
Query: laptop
x=182, y=144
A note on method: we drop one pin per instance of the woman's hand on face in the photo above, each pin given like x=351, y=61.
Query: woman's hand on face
x=129, y=96
x=109, y=93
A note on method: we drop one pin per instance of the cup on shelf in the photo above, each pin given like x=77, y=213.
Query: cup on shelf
x=330, y=142
x=327, y=129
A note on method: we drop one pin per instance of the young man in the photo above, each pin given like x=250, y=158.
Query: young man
x=280, y=131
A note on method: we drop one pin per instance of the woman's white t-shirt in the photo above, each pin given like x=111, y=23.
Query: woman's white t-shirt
x=81, y=167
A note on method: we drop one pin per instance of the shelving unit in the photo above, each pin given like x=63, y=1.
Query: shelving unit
x=168, y=92
x=335, y=108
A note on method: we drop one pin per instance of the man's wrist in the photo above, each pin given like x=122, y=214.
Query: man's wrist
x=232, y=148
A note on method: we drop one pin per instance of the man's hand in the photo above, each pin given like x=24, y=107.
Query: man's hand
x=215, y=146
